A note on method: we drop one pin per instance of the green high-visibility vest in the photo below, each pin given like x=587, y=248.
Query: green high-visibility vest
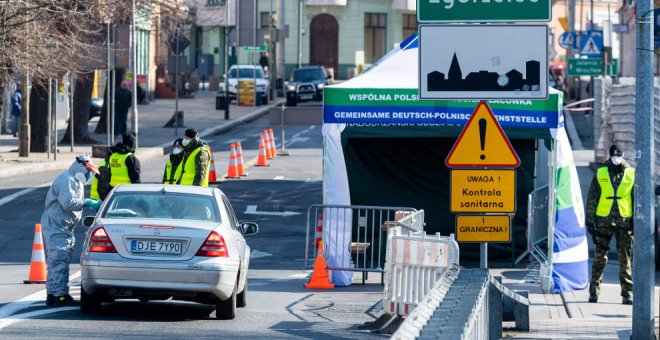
x=623, y=193
x=118, y=169
x=94, y=189
x=169, y=177
x=187, y=170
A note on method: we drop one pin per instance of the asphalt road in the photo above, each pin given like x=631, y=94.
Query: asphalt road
x=278, y=305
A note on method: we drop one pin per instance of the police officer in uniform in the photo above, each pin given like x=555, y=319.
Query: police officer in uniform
x=124, y=166
x=194, y=168
x=609, y=212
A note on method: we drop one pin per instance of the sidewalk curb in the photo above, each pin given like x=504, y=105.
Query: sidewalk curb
x=144, y=154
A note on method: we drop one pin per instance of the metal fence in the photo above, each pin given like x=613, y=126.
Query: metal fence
x=464, y=304
x=455, y=309
x=415, y=261
x=537, y=225
x=354, y=237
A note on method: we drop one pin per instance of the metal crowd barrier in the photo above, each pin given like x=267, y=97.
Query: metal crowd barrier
x=464, y=304
x=415, y=261
x=354, y=237
x=537, y=225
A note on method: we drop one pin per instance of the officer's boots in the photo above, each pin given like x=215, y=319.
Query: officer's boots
x=627, y=300
x=593, y=297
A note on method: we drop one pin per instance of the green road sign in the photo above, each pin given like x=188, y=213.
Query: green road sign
x=438, y=11
x=591, y=67
x=254, y=49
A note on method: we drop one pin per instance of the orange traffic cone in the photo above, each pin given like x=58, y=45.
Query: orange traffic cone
x=269, y=150
x=239, y=158
x=38, y=263
x=319, y=279
x=273, y=148
x=212, y=175
x=232, y=172
x=319, y=230
x=262, y=160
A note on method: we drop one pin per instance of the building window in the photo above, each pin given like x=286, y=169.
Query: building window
x=409, y=25
x=375, y=25
x=215, y=2
x=265, y=19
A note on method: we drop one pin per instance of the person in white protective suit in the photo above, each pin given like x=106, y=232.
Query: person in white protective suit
x=64, y=204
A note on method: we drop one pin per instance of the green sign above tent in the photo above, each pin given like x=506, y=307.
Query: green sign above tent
x=445, y=11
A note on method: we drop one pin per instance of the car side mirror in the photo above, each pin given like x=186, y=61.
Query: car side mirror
x=248, y=228
x=657, y=190
x=88, y=221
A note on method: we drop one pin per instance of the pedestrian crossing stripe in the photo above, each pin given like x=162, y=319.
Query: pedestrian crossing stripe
x=590, y=47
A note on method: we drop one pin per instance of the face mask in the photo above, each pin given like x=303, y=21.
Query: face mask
x=176, y=151
x=185, y=142
x=616, y=160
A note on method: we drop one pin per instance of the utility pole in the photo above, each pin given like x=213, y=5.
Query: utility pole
x=134, y=110
x=281, y=74
x=227, y=49
x=176, y=82
x=569, y=50
x=644, y=247
x=300, y=31
x=24, y=131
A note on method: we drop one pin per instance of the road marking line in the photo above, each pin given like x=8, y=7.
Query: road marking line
x=18, y=194
x=9, y=309
x=26, y=316
x=277, y=178
x=255, y=254
x=252, y=210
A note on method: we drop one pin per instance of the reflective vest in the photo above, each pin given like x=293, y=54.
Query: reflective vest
x=623, y=193
x=118, y=169
x=169, y=177
x=186, y=171
x=94, y=189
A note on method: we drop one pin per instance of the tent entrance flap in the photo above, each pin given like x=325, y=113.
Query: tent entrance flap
x=411, y=172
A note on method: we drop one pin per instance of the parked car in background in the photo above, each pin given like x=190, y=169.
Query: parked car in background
x=306, y=84
x=245, y=72
x=156, y=242
x=95, y=106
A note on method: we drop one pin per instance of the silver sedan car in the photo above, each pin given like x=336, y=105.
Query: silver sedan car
x=155, y=242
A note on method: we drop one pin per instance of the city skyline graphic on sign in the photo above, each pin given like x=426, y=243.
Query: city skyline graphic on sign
x=484, y=80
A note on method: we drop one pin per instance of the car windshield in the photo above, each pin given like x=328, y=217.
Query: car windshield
x=160, y=205
x=247, y=73
x=308, y=74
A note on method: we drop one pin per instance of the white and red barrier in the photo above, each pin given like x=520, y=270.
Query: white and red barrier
x=414, y=263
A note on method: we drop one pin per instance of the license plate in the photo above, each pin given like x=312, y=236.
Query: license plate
x=156, y=247
x=307, y=96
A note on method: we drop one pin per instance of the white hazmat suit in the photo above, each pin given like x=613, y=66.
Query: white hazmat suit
x=64, y=204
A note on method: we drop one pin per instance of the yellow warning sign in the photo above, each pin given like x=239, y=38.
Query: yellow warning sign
x=483, y=191
x=485, y=228
x=563, y=21
x=482, y=143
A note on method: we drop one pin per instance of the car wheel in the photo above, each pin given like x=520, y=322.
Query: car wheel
x=241, y=299
x=226, y=310
x=89, y=303
x=264, y=100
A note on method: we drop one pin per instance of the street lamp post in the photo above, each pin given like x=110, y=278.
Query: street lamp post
x=134, y=76
x=227, y=49
x=176, y=82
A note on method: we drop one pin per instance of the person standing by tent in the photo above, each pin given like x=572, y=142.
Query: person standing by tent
x=194, y=168
x=173, y=163
x=64, y=204
x=609, y=212
x=124, y=167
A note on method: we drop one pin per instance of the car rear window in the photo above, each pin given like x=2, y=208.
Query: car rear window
x=308, y=74
x=160, y=205
x=247, y=73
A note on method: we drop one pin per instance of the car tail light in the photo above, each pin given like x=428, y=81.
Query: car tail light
x=214, y=246
x=100, y=242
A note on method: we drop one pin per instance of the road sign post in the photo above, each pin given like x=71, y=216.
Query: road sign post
x=476, y=187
